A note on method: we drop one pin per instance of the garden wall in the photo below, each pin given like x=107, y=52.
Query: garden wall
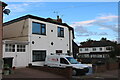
x=105, y=67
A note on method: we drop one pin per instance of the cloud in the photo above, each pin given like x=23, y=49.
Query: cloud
x=92, y=34
x=18, y=7
x=83, y=23
x=103, y=22
x=81, y=29
x=103, y=28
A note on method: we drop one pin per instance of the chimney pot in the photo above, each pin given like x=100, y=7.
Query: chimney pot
x=57, y=17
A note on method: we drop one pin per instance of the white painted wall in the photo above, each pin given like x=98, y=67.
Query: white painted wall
x=20, y=59
x=43, y=42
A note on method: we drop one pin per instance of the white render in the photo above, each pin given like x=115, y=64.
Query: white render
x=90, y=49
x=20, y=59
x=22, y=31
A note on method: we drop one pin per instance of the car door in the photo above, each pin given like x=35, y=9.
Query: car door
x=63, y=63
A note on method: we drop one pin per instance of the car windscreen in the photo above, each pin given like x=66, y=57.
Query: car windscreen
x=72, y=60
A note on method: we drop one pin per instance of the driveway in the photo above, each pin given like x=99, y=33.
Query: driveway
x=32, y=73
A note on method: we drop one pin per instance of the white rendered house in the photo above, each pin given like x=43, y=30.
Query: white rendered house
x=29, y=39
x=96, y=49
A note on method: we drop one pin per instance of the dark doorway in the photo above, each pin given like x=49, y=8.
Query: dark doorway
x=8, y=61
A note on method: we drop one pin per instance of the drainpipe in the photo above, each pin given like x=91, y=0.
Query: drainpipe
x=2, y=6
x=70, y=52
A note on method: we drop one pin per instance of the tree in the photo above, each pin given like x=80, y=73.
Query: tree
x=103, y=39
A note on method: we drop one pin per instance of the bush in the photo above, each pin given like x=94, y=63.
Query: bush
x=6, y=67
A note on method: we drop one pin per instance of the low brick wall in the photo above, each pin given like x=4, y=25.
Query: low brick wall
x=65, y=72
x=100, y=68
x=112, y=66
x=105, y=67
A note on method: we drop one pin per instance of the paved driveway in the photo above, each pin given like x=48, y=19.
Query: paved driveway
x=32, y=73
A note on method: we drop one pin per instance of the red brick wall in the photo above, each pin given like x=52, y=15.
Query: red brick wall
x=112, y=66
x=1, y=21
x=100, y=68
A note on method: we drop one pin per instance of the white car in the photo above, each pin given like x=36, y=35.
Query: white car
x=63, y=61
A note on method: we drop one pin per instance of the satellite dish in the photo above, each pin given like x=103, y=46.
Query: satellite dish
x=6, y=11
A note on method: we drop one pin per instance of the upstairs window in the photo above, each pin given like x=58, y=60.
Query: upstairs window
x=94, y=49
x=100, y=49
x=60, y=32
x=86, y=49
x=109, y=48
x=80, y=49
x=38, y=28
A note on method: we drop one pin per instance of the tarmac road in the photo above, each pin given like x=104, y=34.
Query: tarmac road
x=108, y=75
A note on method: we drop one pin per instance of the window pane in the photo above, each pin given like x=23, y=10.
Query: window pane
x=39, y=55
x=9, y=48
x=100, y=49
x=63, y=61
x=38, y=28
x=35, y=28
x=21, y=48
x=60, y=32
x=43, y=30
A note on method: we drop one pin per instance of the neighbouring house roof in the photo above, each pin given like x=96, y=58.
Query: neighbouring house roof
x=39, y=18
x=97, y=44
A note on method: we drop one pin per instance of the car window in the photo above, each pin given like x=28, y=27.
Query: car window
x=63, y=61
x=72, y=60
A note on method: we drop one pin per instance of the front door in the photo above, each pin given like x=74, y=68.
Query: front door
x=21, y=57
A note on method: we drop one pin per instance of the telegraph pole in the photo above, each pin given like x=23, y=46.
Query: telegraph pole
x=2, y=6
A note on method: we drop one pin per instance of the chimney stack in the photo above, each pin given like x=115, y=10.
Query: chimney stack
x=59, y=19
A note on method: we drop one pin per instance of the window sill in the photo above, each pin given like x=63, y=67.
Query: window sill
x=60, y=37
x=39, y=34
x=38, y=61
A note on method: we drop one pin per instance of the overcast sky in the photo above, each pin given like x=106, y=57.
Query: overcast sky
x=90, y=20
